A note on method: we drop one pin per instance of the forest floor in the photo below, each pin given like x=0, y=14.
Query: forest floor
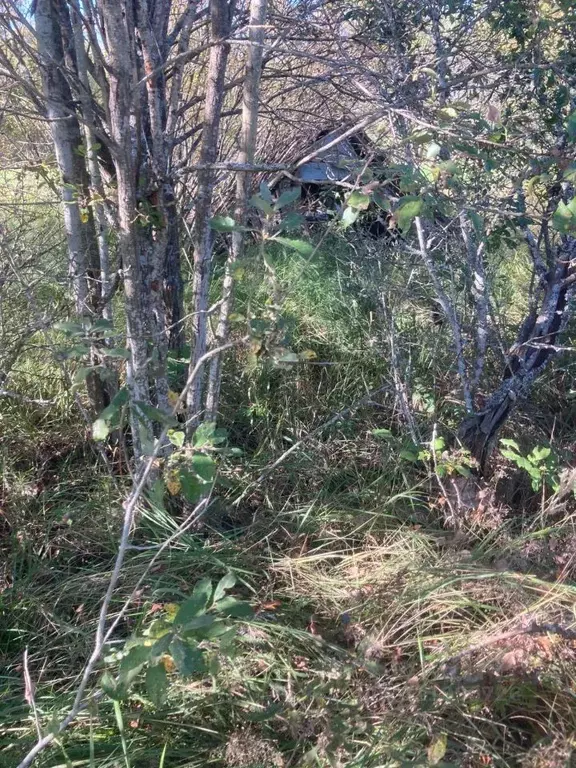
x=395, y=622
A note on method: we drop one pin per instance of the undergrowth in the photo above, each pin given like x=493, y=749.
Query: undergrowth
x=389, y=627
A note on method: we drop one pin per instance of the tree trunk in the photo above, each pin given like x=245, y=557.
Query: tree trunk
x=534, y=348
x=249, y=130
x=220, y=16
x=81, y=237
x=119, y=26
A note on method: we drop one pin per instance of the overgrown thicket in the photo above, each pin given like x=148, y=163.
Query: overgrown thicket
x=287, y=466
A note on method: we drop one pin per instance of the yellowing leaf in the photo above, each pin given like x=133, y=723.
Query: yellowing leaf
x=168, y=663
x=173, y=484
x=437, y=748
x=308, y=354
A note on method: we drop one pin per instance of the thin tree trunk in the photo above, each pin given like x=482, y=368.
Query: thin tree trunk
x=249, y=131
x=119, y=28
x=220, y=15
x=535, y=347
x=81, y=238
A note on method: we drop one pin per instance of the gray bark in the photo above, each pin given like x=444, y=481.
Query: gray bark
x=534, y=349
x=83, y=257
x=249, y=130
x=220, y=16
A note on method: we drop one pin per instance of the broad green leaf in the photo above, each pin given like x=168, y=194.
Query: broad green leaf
x=160, y=647
x=189, y=659
x=349, y=216
x=225, y=583
x=230, y=606
x=386, y=434
x=196, y=604
x=262, y=205
x=510, y=443
x=118, y=352
x=204, y=434
x=155, y=414
x=70, y=328
x=292, y=221
x=102, y=325
x=564, y=218
x=265, y=192
x=301, y=246
x=191, y=486
x=437, y=748
x=110, y=686
x=408, y=208
x=156, y=684
x=447, y=113
x=204, y=466
x=132, y=664
x=223, y=224
x=82, y=374
x=382, y=201
x=176, y=437
x=203, y=621
x=358, y=200
x=287, y=197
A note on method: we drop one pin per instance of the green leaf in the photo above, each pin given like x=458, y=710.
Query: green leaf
x=382, y=201
x=224, y=224
x=262, y=205
x=433, y=151
x=176, y=437
x=407, y=210
x=100, y=429
x=287, y=197
x=437, y=748
x=386, y=434
x=132, y=664
x=204, y=466
x=155, y=414
x=156, y=684
x=225, y=583
x=358, y=200
x=110, y=687
x=192, y=487
x=292, y=221
x=204, y=434
x=203, y=621
x=230, y=606
x=188, y=659
x=301, y=246
x=117, y=352
x=564, y=217
x=160, y=647
x=265, y=192
x=71, y=329
x=349, y=216
x=196, y=604
x=447, y=113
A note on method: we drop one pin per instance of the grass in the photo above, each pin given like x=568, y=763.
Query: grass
x=385, y=633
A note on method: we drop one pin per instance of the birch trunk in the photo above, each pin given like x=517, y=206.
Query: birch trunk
x=220, y=17
x=249, y=130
